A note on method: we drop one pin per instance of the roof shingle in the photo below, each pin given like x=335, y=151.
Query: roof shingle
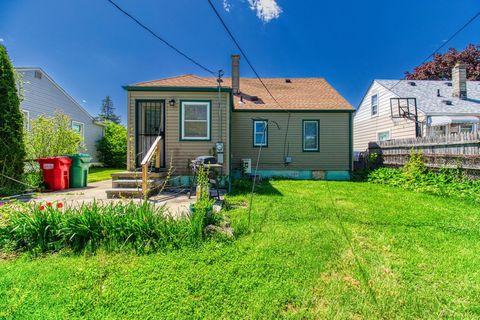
x=297, y=94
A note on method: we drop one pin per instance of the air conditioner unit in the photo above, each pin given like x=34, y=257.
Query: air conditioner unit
x=247, y=166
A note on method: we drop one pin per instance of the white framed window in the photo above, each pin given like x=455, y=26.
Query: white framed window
x=78, y=127
x=466, y=128
x=384, y=135
x=195, y=120
x=374, y=105
x=260, y=133
x=438, y=131
x=26, y=119
x=310, y=135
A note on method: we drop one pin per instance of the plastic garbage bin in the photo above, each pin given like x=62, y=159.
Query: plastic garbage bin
x=55, y=172
x=79, y=170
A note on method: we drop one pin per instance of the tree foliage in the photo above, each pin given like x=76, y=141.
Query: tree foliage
x=108, y=111
x=52, y=136
x=112, y=148
x=440, y=68
x=12, y=148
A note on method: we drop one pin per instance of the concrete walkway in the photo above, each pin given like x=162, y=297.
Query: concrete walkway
x=175, y=204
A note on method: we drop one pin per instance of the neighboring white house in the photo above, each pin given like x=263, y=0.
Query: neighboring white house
x=443, y=107
x=43, y=96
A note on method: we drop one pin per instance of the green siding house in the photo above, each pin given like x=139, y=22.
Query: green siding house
x=302, y=126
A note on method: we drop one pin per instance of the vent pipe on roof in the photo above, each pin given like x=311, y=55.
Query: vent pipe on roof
x=236, y=73
x=459, y=79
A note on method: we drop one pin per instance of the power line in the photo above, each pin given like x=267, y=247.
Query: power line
x=285, y=154
x=161, y=39
x=445, y=43
x=241, y=50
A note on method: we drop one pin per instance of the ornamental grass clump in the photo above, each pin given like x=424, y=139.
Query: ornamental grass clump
x=142, y=227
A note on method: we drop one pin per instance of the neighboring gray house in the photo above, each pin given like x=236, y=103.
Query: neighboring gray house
x=387, y=110
x=43, y=96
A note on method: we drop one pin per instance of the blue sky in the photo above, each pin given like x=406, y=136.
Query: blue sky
x=91, y=50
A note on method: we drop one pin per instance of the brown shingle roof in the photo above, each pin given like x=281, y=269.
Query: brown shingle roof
x=298, y=94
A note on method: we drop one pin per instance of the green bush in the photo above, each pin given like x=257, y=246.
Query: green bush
x=52, y=136
x=12, y=147
x=416, y=176
x=142, y=227
x=112, y=148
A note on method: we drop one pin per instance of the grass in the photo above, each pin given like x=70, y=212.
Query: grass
x=101, y=174
x=418, y=258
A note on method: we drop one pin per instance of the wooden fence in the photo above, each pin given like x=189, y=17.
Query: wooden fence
x=451, y=151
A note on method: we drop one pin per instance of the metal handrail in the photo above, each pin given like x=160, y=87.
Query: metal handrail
x=155, y=150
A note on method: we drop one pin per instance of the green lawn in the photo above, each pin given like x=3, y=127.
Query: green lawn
x=414, y=256
x=100, y=174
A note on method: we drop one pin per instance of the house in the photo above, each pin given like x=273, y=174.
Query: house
x=397, y=109
x=43, y=96
x=306, y=133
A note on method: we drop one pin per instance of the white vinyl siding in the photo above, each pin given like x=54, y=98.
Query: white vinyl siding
x=195, y=120
x=366, y=127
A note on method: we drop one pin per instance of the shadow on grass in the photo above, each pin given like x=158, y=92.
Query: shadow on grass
x=264, y=187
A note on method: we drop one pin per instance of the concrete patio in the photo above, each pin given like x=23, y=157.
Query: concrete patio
x=175, y=203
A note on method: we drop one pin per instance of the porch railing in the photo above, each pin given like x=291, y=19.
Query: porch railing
x=153, y=153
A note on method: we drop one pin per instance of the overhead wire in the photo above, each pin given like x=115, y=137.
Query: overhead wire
x=167, y=43
x=456, y=33
x=237, y=44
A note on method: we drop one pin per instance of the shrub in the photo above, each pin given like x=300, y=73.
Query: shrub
x=142, y=227
x=12, y=147
x=416, y=176
x=52, y=136
x=112, y=148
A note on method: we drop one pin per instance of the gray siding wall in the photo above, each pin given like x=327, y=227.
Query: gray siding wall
x=43, y=97
x=335, y=148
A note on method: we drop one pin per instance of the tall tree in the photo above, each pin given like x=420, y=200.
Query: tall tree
x=12, y=147
x=440, y=68
x=108, y=111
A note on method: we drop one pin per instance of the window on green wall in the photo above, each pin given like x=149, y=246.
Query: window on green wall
x=260, y=133
x=195, y=120
x=310, y=135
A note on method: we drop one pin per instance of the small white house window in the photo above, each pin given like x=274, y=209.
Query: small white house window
x=383, y=135
x=466, y=128
x=26, y=119
x=374, y=105
x=78, y=127
x=38, y=74
x=310, y=135
x=260, y=133
x=195, y=120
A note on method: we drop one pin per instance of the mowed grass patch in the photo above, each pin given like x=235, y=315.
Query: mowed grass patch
x=96, y=174
x=414, y=256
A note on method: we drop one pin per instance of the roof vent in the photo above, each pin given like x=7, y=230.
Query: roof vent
x=449, y=84
x=288, y=80
x=38, y=74
x=447, y=102
x=438, y=93
x=412, y=83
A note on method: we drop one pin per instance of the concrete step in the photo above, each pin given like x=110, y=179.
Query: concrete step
x=130, y=175
x=119, y=193
x=137, y=183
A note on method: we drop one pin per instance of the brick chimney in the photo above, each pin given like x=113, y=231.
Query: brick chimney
x=459, y=80
x=236, y=73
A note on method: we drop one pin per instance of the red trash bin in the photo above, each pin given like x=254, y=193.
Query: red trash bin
x=55, y=172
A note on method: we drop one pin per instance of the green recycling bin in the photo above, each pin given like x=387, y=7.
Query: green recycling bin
x=79, y=170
